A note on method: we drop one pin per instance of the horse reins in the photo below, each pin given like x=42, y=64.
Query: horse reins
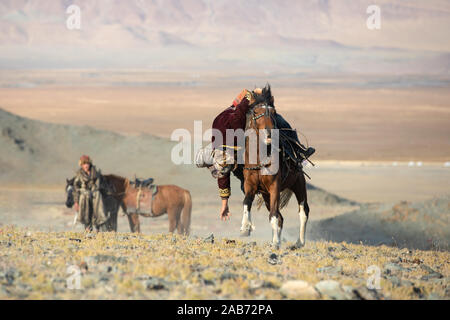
x=254, y=118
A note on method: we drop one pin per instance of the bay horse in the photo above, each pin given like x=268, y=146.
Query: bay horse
x=170, y=199
x=287, y=178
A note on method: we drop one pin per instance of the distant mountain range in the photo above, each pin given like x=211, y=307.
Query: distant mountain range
x=313, y=36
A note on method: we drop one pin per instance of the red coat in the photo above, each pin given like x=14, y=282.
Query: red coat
x=233, y=117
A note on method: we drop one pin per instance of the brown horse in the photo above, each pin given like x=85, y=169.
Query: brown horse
x=170, y=199
x=260, y=178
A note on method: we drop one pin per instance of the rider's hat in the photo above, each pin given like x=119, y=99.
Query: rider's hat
x=84, y=159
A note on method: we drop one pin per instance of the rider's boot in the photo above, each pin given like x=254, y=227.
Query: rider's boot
x=309, y=152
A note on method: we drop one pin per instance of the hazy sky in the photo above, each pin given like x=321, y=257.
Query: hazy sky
x=317, y=36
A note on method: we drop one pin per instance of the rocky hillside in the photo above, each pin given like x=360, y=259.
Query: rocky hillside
x=39, y=153
x=420, y=225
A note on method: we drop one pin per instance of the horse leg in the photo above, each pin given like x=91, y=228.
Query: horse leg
x=247, y=226
x=303, y=209
x=173, y=219
x=185, y=215
x=113, y=212
x=135, y=224
x=180, y=227
x=275, y=217
x=113, y=218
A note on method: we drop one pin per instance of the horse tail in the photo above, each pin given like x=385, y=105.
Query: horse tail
x=285, y=196
x=186, y=213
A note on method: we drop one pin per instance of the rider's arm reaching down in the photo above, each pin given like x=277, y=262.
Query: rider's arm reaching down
x=232, y=118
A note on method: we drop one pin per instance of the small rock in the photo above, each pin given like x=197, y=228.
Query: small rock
x=108, y=288
x=228, y=276
x=107, y=268
x=427, y=268
x=299, y=289
x=273, y=259
x=390, y=268
x=332, y=289
x=394, y=280
x=208, y=282
x=209, y=239
x=252, y=244
x=365, y=293
x=406, y=251
x=418, y=291
x=155, y=284
x=406, y=283
x=258, y=283
x=28, y=234
x=59, y=284
x=10, y=276
x=83, y=266
x=434, y=296
x=333, y=270
x=108, y=258
x=432, y=274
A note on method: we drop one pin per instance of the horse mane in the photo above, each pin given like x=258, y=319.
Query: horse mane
x=113, y=178
x=265, y=96
x=70, y=181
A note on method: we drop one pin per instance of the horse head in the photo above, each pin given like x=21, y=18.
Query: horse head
x=262, y=114
x=69, y=191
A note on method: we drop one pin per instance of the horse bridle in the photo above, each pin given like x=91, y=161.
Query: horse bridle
x=266, y=113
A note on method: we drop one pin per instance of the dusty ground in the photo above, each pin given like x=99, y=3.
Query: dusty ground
x=45, y=265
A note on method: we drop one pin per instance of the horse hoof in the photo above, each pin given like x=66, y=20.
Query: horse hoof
x=298, y=245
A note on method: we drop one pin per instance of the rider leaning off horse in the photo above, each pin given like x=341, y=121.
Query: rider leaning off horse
x=87, y=196
x=234, y=117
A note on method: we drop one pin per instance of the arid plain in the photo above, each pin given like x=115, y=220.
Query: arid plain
x=380, y=178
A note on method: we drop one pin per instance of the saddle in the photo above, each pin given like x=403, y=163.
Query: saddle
x=140, y=196
x=138, y=183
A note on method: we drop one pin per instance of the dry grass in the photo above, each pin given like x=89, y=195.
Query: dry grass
x=33, y=265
